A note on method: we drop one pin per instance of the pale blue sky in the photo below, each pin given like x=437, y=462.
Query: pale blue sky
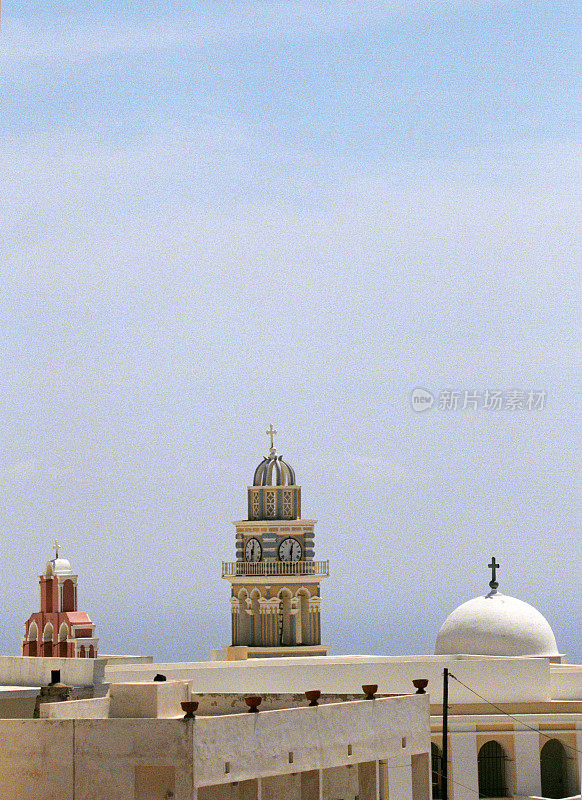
x=222, y=215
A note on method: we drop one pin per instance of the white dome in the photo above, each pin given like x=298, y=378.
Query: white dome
x=58, y=566
x=496, y=625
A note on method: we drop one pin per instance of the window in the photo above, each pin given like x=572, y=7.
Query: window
x=256, y=505
x=554, y=769
x=68, y=596
x=287, y=504
x=491, y=764
x=270, y=504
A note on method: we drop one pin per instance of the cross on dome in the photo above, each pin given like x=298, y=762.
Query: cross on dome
x=272, y=432
x=56, y=548
x=493, y=566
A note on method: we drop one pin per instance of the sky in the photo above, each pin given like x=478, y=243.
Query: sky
x=225, y=214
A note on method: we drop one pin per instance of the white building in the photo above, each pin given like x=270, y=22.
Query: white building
x=116, y=729
x=131, y=742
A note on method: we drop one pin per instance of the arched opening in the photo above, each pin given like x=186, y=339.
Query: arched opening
x=68, y=596
x=554, y=769
x=244, y=619
x=63, y=636
x=285, y=636
x=91, y=651
x=47, y=640
x=48, y=595
x=492, y=768
x=256, y=638
x=32, y=639
x=82, y=651
x=436, y=755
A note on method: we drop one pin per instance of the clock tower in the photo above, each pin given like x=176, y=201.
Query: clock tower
x=275, y=597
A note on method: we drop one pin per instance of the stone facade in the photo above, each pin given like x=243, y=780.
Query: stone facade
x=275, y=596
x=59, y=629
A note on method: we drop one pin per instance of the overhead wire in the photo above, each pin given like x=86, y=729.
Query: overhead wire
x=507, y=714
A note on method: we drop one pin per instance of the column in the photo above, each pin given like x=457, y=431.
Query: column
x=310, y=782
x=266, y=635
x=298, y=623
x=314, y=615
x=399, y=778
x=528, y=778
x=382, y=781
x=293, y=623
x=368, y=781
x=234, y=625
x=421, y=777
x=463, y=773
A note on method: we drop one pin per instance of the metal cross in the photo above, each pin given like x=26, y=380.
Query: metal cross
x=493, y=566
x=271, y=432
x=57, y=545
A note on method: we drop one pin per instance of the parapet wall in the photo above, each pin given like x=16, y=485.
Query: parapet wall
x=101, y=759
x=31, y=671
x=505, y=679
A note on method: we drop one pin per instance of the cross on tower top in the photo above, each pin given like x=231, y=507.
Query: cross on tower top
x=493, y=566
x=271, y=432
x=56, y=547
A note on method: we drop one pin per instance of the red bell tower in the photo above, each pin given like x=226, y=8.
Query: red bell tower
x=58, y=629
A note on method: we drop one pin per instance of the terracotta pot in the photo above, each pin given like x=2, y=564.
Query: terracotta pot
x=189, y=706
x=370, y=690
x=420, y=685
x=313, y=696
x=253, y=702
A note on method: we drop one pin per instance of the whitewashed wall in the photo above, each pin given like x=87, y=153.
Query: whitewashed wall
x=30, y=671
x=504, y=679
x=101, y=759
x=566, y=681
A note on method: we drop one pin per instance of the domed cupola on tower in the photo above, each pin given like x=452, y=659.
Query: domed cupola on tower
x=274, y=493
x=59, y=629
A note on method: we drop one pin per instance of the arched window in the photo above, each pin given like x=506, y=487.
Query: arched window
x=492, y=767
x=554, y=769
x=91, y=651
x=68, y=596
x=82, y=651
x=47, y=640
x=63, y=636
x=437, y=771
x=32, y=639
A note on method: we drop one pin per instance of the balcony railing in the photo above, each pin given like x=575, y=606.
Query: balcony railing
x=232, y=569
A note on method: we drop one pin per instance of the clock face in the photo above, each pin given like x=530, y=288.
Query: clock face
x=253, y=550
x=290, y=550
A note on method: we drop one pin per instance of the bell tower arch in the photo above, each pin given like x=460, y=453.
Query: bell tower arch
x=275, y=580
x=59, y=629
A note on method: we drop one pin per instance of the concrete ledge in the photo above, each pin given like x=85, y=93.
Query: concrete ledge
x=152, y=700
x=94, y=708
x=113, y=660
x=31, y=671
